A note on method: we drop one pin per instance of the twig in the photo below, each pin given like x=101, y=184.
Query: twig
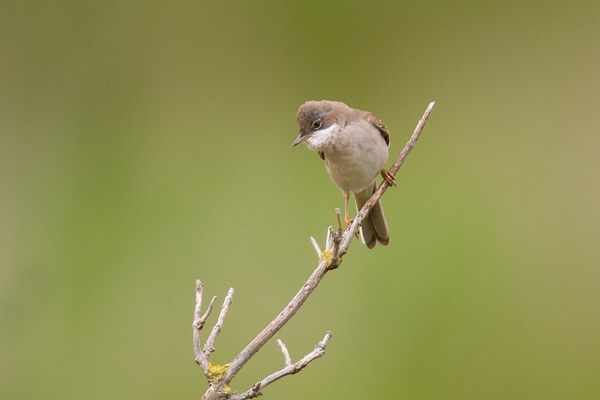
x=286, y=353
x=274, y=326
x=338, y=217
x=349, y=234
x=199, y=324
x=329, y=240
x=209, y=346
x=316, y=246
x=336, y=257
x=289, y=369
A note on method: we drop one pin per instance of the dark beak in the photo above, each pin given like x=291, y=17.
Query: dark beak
x=300, y=139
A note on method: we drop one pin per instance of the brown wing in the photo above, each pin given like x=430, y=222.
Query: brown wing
x=377, y=123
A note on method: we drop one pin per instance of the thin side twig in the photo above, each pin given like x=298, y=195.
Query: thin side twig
x=289, y=369
x=286, y=353
x=316, y=246
x=209, y=346
x=198, y=324
x=329, y=240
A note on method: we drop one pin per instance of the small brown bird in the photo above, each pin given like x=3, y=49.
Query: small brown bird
x=354, y=145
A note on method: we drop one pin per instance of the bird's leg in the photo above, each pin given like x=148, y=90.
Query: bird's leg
x=389, y=178
x=346, y=220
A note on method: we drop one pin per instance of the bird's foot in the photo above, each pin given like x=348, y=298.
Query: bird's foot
x=349, y=225
x=389, y=178
x=348, y=222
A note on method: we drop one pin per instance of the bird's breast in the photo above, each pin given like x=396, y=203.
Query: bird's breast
x=355, y=157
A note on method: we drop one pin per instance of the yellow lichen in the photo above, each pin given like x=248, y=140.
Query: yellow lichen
x=326, y=256
x=217, y=372
x=227, y=392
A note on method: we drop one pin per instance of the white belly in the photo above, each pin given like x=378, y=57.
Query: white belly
x=355, y=163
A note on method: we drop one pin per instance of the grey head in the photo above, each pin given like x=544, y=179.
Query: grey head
x=314, y=116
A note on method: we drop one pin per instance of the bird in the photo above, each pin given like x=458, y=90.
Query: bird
x=354, y=145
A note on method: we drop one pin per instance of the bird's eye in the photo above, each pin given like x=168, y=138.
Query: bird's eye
x=316, y=124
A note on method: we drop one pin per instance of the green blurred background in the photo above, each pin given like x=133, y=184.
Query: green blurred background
x=144, y=145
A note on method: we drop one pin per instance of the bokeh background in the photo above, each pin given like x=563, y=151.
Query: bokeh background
x=146, y=144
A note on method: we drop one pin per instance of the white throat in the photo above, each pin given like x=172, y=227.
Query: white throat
x=318, y=140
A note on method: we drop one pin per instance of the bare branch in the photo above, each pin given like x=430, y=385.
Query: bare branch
x=329, y=240
x=316, y=246
x=349, y=234
x=198, y=324
x=207, y=313
x=274, y=326
x=209, y=346
x=289, y=369
x=338, y=216
x=286, y=353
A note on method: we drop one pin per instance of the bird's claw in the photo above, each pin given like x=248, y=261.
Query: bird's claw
x=389, y=178
x=348, y=222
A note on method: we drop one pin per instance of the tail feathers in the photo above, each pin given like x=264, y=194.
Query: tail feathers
x=374, y=227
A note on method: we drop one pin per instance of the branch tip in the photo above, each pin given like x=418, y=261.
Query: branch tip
x=316, y=246
x=210, y=342
x=323, y=342
x=289, y=369
x=286, y=353
x=208, y=311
